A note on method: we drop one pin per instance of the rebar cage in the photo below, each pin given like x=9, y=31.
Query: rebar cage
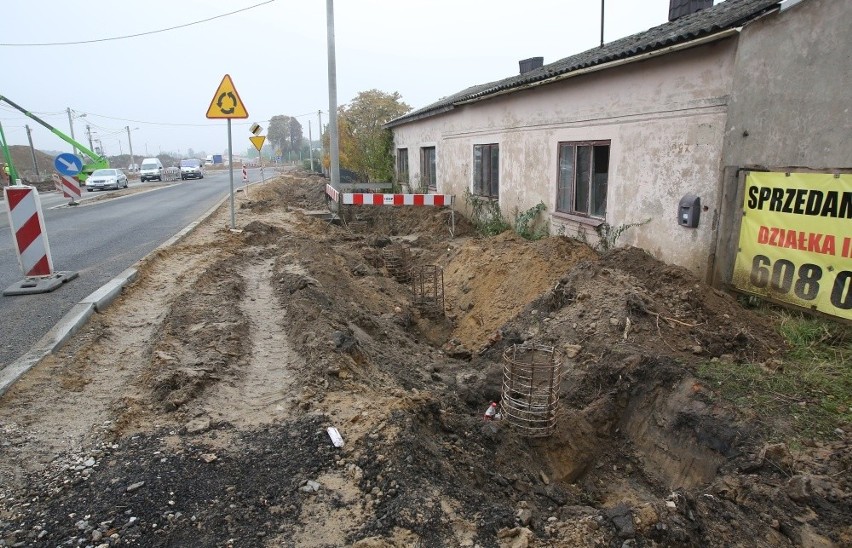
x=530, y=395
x=397, y=257
x=427, y=283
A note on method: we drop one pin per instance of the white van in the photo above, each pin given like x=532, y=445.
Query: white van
x=151, y=169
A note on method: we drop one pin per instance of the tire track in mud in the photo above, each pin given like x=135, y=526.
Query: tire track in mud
x=261, y=392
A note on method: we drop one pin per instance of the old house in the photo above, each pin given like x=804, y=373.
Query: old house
x=642, y=128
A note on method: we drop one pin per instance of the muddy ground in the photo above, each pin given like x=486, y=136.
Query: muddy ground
x=194, y=411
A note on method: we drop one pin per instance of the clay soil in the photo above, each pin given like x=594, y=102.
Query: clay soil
x=195, y=410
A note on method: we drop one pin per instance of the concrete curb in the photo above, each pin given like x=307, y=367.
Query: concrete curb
x=97, y=301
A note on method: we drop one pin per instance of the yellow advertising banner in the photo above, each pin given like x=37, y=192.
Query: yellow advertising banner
x=796, y=240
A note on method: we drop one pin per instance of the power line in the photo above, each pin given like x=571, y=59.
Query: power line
x=137, y=34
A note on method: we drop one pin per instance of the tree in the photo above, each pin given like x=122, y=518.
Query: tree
x=279, y=132
x=285, y=133
x=365, y=146
x=296, y=135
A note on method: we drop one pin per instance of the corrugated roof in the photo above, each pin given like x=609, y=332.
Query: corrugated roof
x=721, y=17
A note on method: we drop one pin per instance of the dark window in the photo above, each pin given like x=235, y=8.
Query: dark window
x=427, y=168
x=402, y=165
x=486, y=170
x=583, y=175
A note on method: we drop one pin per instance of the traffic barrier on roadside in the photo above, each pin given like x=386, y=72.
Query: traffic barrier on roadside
x=369, y=198
x=70, y=187
x=332, y=193
x=171, y=173
x=337, y=198
x=27, y=223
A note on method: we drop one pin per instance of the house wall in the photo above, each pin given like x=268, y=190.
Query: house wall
x=665, y=118
x=790, y=103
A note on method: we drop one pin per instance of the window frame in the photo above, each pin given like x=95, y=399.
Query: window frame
x=490, y=170
x=566, y=204
x=428, y=168
x=402, y=176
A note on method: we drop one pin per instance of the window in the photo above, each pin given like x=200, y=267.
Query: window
x=583, y=174
x=402, y=165
x=486, y=170
x=427, y=168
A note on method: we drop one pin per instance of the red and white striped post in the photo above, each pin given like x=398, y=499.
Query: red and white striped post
x=70, y=188
x=27, y=223
x=245, y=181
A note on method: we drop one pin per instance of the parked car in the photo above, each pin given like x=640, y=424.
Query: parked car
x=102, y=179
x=152, y=168
x=191, y=168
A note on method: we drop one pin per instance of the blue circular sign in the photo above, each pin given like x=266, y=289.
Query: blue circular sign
x=68, y=164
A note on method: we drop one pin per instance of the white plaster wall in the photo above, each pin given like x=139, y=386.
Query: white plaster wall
x=665, y=118
x=791, y=104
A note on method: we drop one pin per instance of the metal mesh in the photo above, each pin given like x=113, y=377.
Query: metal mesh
x=428, y=285
x=531, y=375
x=397, y=258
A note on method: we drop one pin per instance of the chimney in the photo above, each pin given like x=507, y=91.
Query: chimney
x=679, y=8
x=531, y=64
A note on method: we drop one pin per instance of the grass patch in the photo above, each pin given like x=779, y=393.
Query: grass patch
x=808, y=394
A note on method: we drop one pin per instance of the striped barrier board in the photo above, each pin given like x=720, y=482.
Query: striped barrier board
x=70, y=187
x=27, y=223
x=332, y=192
x=367, y=198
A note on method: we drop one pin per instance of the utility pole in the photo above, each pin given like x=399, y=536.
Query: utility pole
x=322, y=143
x=130, y=143
x=311, y=145
x=71, y=123
x=89, y=134
x=332, y=98
x=602, y=23
x=32, y=151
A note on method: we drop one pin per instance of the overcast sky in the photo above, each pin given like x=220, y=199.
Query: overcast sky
x=276, y=54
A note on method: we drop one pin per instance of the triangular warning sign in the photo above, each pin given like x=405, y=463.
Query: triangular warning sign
x=257, y=141
x=226, y=102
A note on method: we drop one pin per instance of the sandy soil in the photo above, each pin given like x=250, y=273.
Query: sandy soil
x=194, y=411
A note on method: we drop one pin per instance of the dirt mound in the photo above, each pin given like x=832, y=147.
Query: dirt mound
x=210, y=386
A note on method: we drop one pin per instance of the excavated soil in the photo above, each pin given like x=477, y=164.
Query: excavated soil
x=195, y=410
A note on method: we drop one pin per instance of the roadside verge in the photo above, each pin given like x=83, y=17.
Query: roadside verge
x=80, y=313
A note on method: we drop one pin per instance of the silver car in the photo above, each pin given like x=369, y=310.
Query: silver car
x=191, y=168
x=102, y=179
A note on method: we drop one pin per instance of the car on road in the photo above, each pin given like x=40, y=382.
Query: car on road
x=191, y=168
x=152, y=168
x=103, y=179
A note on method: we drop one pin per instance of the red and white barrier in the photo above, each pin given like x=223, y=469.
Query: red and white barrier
x=245, y=175
x=27, y=223
x=332, y=192
x=368, y=198
x=70, y=187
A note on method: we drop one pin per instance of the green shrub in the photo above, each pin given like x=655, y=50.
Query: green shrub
x=485, y=215
x=525, y=223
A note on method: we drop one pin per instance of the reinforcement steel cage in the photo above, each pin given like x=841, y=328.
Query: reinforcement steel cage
x=530, y=395
x=428, y=285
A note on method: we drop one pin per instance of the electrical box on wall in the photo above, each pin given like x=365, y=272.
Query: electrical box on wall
x=689, y=211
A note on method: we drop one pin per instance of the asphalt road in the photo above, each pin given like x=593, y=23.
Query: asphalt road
x=98, y=239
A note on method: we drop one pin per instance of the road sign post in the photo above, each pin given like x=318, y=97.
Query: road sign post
x=227, y=104
x=257, y=141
